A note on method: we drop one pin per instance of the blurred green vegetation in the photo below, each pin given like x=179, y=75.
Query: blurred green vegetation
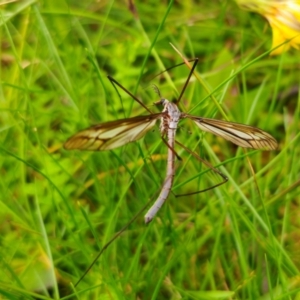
x=58, y=207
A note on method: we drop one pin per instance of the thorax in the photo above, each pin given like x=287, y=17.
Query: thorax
x=171, y=116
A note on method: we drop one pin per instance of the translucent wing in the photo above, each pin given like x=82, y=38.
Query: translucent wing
x=113, y=134
x=239, y=134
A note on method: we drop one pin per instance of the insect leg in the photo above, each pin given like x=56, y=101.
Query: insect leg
x=111, y=241
x=224, y=177
x=113, y=82
x=188, y=79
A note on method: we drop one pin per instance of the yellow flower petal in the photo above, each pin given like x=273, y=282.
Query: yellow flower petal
x=284, y=19
x=282, y=33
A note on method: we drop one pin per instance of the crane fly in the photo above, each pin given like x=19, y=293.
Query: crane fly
x=113, y=134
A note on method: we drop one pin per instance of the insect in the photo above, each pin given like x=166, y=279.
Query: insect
x=110, y=135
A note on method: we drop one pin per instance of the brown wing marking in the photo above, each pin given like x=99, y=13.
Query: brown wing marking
x=110, y=135
x=242, y=135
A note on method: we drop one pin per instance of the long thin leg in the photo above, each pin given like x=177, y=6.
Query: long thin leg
x=113, y=81
x=225, y=179
x=173, y=67
x=111, y=240
x=195, y=60
x=187, y=81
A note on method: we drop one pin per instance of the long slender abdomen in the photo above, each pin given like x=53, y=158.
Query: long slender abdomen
x=166, y=188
